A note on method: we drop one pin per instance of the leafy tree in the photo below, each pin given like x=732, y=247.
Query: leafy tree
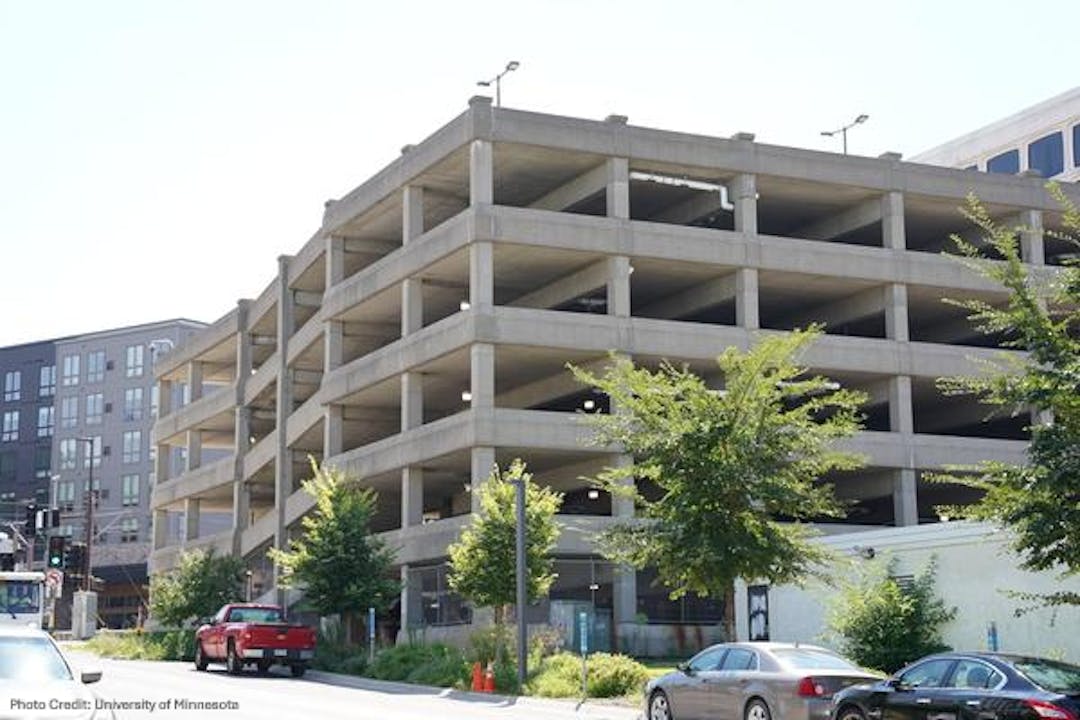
x=1040, y=501
x=735, y=468
x=342, y=567
x=483, y=561
x=884, y=625
x=199, y=585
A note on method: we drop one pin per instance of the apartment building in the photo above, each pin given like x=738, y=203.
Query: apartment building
x=422, y=334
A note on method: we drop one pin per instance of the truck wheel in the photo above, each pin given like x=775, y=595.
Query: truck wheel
x=232, y=661
x=298, y=669
x=264, y=666
x=200, y=658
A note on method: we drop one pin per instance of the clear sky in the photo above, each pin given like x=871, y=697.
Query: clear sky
x=157, y=157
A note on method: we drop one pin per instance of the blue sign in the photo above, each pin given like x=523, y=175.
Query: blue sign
x=583, y=631
x=371, y=622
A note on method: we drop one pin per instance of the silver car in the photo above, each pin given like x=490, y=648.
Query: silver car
x=753, y=681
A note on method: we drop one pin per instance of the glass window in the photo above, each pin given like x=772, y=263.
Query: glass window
x=69, y=412
x=927, y=674
x=47, y=381
x=68, y=453
x=1076, y=145
x=1007, y=163
x=654, y=603
x=93, y=452
x=154, y=401
x=42, y=461
x=31, y=661
x=739, y=659
x=70, y=374
x=1047, y=155
x=133, y=404
x=95, y=366
x=12, y=385
x=95, y=408
x=10, y=430
x=132, y=446
x=133, y=361
x=708, y=659
x=129, y=490
x=1051, y=675
x=7, y=466
x=975, y=674
x=806, y=659
x=65, y=495
x=129, y=530
x=45, y=421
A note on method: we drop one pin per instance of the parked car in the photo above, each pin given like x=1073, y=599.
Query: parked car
x=36, y=680
x=248, y=634
x=753, y=681
x=969, y=686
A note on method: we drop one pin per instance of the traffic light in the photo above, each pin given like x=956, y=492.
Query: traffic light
x=31, y=519
x=76, y=558
x=57, y=550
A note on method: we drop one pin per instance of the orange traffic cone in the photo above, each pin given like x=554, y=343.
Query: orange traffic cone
x=489, y=679
x=477, y=677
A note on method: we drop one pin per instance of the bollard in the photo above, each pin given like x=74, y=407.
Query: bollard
x=489, y=679
x=477, y=677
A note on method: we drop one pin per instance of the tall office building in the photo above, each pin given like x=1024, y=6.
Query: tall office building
x=422, y=334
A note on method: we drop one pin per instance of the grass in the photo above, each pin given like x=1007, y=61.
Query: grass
x=659, y=666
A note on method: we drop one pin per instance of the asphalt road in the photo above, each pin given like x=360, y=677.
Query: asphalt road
x=166, y=685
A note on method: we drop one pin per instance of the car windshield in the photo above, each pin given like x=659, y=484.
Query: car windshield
x=1051, y=675
x=256, y=615
x=31, y=659
x=19, y=596
x=807, y=659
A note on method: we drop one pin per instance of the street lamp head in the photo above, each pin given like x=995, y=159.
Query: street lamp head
x=512, y=65
x=483, y=83
x=828, y=133
x=861, y=119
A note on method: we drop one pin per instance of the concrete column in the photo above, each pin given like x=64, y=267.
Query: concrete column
x=335, y=260
x=160, y=525
x=283, y=469
x=333, y=431
x=618, y=188
x=412, y=213
x=1032, y=249
x=165, y=399
x=163, y=464
x=743, y=192
x=194, y=449
x=746, y=299
x=901, y=415
x=333, y=345
x=896, y=312
x=905, y=498
x=483, y=459
x=412, y=611
x=191, y=519
x=482, y=375
x=195, y=380
x=412, y=400
x=625, y=580
x=412, y=305
x=412, y=496
x=241, y=504
x=893, y=234
x=481, y=275
x=618, y=286
x=481, y=173
x=1042, y=417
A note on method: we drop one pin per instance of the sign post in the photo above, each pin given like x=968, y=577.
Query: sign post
x=371, y=633
x=583, y=643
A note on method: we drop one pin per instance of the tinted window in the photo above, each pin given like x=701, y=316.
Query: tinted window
x=1050, y=675
x=1076, y=145
x=928, y=674
x=1047, y=155
x=1007, y=163
x=975, y=674
x=738, y=659
x=807, y=659
x=255, y=615
x=31, y=659
x=707, y=660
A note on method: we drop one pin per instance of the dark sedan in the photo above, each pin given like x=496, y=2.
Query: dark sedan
x=968, y=686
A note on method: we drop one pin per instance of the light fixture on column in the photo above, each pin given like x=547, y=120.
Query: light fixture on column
x=464, y=305
x=510, y=67
x=594, y=494
x=589, y=404
x=843, y=130
x=466, y=396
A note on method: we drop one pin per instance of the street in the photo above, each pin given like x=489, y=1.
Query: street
x=159, y=691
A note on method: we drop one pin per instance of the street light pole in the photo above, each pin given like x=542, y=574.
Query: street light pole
x=843, y=130
x=510, y=67
x=522, y=595
x=90, y=495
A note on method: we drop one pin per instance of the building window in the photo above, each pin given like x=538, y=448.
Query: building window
x=69, y=412
x=1076, y=145
x=134, y=361
x=154, y=394
x=1047, y=155
x=70, y=374
x=7, y=505
x=95, y=408
x=45, y=421
x=132, y=446
x=12, y=385
x=68, y=453
x=10, y=430
x=654, y=604
x=65, y=495
x=7, y=466
x=129, y=490
x=93, y=452
x=133, y=404
x=1007, y=163
x=47, y=381
x=129, y=530
x=95, y=366
x=42, y=461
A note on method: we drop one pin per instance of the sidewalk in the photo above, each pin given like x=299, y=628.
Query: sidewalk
x=593, y=709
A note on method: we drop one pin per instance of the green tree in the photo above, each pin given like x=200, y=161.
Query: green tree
x=199, y=585
x=483, y=561
x=884, y=625
x=342, y=567
x=1040, y=501
x=735, y=468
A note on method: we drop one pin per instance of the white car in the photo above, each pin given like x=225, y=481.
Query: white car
x=36, y=680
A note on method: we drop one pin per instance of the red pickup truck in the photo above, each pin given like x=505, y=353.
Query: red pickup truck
x=248, y=634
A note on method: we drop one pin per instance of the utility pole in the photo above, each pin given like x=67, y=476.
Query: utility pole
x=91, y=494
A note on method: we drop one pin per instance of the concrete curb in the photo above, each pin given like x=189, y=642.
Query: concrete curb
x=587, y=709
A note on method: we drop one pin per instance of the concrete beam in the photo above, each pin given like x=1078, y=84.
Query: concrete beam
x=305, y=298
x=686, y=212
x=863, y=304
x=371, y=330
x=368, y=246
x=583, y=186
x=353, y=413
x=567, y=288
x=854, y=218
x=700, y=296
x=306, y=377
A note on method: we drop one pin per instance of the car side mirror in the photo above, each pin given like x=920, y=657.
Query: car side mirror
x=898, y=684
x=685, y=668
x=90, y=676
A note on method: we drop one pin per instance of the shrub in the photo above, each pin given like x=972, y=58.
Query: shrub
x=435, y=664
x=161, y=645
x=353, y=665
x=608, y=676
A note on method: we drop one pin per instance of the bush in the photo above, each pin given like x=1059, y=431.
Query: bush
x=608, y=676
x=880, y=624
x=162, y=645
x=435, y=664
x=353, y=665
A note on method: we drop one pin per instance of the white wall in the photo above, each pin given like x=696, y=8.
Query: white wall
x=975, y=570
